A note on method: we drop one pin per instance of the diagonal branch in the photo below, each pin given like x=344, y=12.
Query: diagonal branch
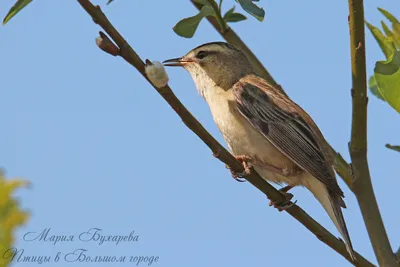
x=341, y=166
x=362, y=185
x=127, y=53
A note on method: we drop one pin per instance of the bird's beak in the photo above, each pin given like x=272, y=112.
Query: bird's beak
x=176, y=62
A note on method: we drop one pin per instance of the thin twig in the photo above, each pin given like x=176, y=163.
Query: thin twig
x=105, y=44
x=343, y=169
x=362, y=185
x=341, y=166
x=254, y=178
x=221, y=23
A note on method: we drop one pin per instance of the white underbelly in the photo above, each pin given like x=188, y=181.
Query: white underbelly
x=243, y=139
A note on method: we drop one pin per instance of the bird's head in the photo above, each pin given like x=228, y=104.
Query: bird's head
x=219, y=62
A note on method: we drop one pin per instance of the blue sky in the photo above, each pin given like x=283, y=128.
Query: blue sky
x=103, y=150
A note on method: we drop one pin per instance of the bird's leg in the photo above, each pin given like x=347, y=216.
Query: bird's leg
x=286, y=189
x=286, y=204
x=282, y=171
x=246, y=165
x=287, y=172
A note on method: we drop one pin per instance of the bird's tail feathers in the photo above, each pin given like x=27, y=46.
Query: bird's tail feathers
x=332, y=203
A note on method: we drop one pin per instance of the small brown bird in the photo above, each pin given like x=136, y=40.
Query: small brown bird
x=265, y=128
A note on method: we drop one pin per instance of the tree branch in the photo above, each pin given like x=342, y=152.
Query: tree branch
x=362, y=185
x=341, y=166
x=221, y=23
x=127, y=53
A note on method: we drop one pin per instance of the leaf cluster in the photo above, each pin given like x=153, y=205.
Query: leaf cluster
x=11, y=215
x=209, y=8
x=385, y=82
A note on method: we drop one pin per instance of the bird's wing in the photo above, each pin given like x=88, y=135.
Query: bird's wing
x=286, y=126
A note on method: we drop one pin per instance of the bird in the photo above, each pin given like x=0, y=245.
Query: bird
x=264, y=128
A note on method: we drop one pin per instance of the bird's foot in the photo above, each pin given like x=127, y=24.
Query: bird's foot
x=238, y=176
x=288, y=197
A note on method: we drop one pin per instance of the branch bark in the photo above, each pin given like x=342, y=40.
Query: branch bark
x=221, y=23
x=127, y=53
x=362, y=185
x=341, y=166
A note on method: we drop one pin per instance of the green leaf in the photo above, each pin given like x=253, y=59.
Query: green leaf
x=388, y=16
x=235, y=17
x=252, y=9
x=220, y=6
x=373, y=87
x=396, y=32
x=203, y=2
x=384, y=42
x=20, y=4
x=387, y=76
x=395, y=148
x=188, y=26
x=229, y=12
x=390, y=34
x=386, y=29
x=396, y=28
x=231, y=16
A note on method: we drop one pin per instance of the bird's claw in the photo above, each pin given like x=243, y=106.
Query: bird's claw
x=243, y=158
x=283, y=205
x=240, y=176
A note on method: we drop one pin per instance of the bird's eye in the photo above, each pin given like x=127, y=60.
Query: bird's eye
x=201, y=54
